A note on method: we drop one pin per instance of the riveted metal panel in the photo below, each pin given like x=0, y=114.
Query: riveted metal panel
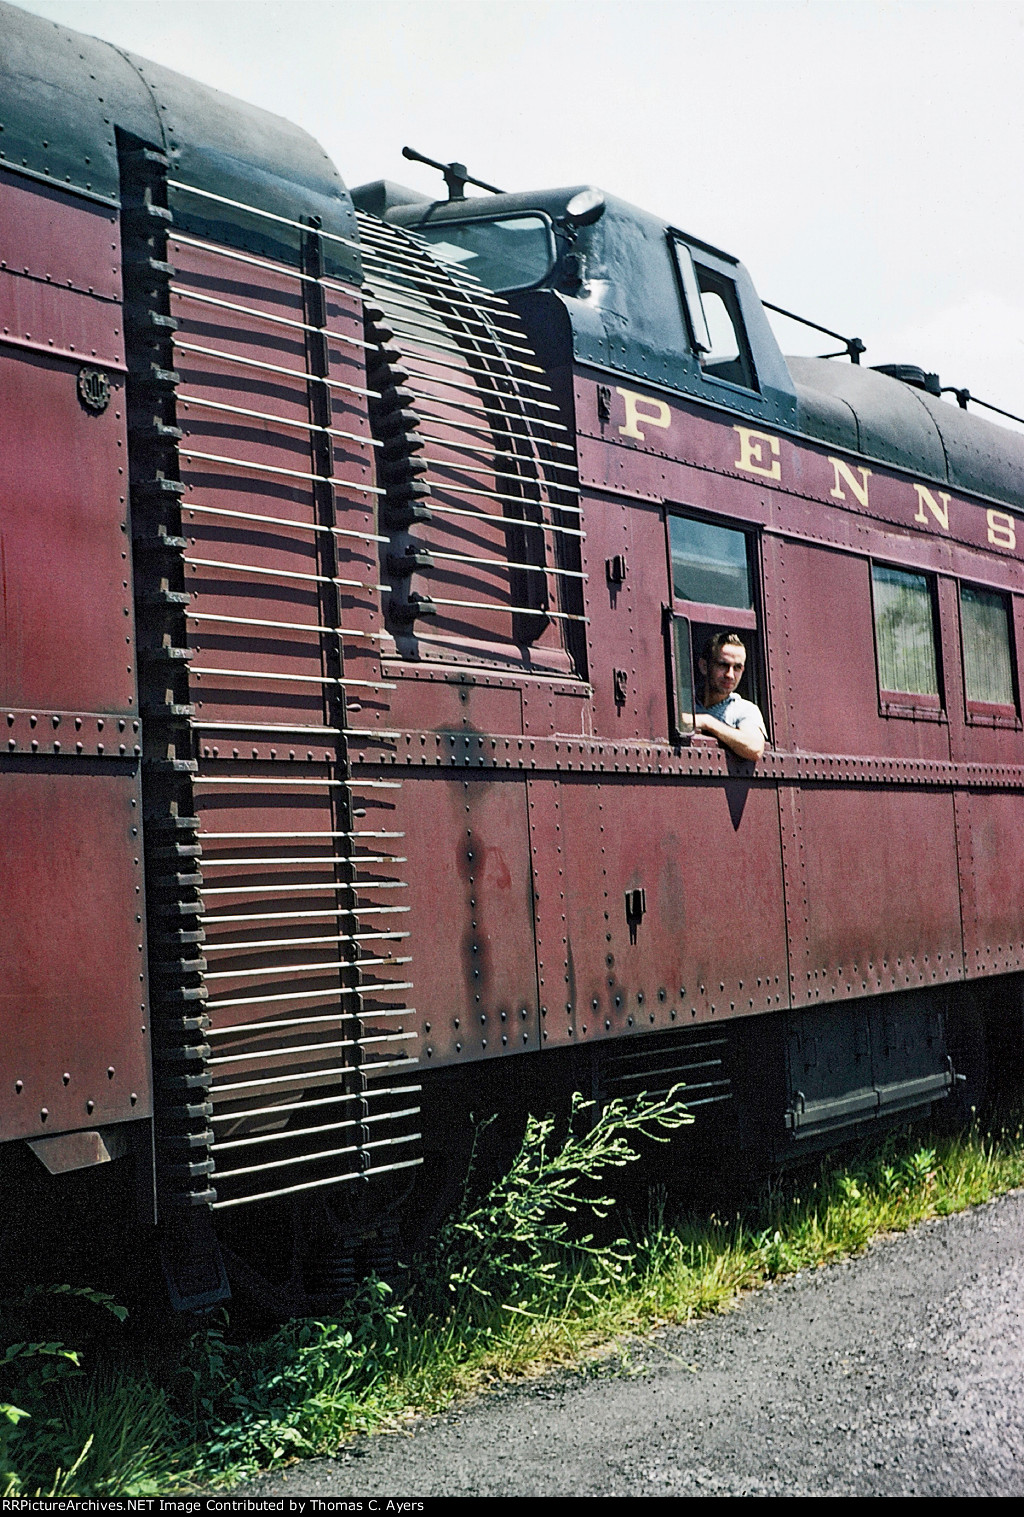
x=832, y=686
x=470, y=919
x=73, y=994
x=883, y=898
x=704, y=857
x=67, y=641
x=991, y=882
x=60, y=241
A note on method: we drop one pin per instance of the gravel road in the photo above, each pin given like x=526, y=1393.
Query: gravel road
x=896, y=1374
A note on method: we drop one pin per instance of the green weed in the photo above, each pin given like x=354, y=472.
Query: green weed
x=514, y=1283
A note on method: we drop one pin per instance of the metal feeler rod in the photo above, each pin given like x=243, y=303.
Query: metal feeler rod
x=318, y=579
x=304, y=679
x=435, y=364
x=508, y=521
x=259, y=782
x=321, y=887
x=278, y=1137
x=504, y=372
x=299, y=1076
x=269, y=265
x=494, y=449
x=351, y=1095
x=320, y=967
x=322, y=1184
x=497, y=563
x=306, y=995
x=284, y=421
x=278, y=321
x=362, y=834
x=410, y=298
x=535, y=481
x=505, y=413
x=465, y=368
x=305, y=375
x=295, y=916
x=408, y=338
x=401, y=260
x=407, y=321
x=284, y=1051
x=485, y=410
x=215, y=861
x=443, y=487
x=255, y=621
x=303, y=1132
x=277, y=944
x=441, y=305
x=266, y=727
x=255, y=210
x=541, y=466
x=285, y=521
x=249, y=464
x=414, y=258
x=484, y=605
x=454, y=384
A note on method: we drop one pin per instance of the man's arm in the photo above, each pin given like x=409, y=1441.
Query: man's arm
x=746, y=742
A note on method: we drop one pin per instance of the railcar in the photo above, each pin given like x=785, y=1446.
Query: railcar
x=356, y=550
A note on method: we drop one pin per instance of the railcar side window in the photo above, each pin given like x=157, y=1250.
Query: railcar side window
x=988, y=663
x=905, y=633
x=713, y=590
x=710, y=564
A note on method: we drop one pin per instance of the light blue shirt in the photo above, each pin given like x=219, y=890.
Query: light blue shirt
x=734, y=711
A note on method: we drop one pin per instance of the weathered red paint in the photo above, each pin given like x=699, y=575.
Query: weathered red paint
x=73, y=996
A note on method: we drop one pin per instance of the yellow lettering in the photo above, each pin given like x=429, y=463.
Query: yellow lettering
x=858, y=486
x=752, y=453
x=1001, y=531
x=657, y=414
x=941, y=513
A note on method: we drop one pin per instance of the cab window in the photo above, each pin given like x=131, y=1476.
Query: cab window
x=714, y=318
x=514, y=253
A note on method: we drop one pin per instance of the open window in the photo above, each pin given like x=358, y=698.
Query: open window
x=906, y=643
x=715, y=321
x=714, y=589
x=990, y=678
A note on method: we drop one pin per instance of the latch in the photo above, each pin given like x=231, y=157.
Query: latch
x=615, y=568
x=636, y=905
x=620, y=682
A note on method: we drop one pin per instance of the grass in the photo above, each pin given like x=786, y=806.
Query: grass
x=513, y=1285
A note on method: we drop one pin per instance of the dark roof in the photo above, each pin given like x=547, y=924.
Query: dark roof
x=63, y=94
x=896, y=423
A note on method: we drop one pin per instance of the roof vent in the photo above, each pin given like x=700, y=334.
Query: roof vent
x=910, y=374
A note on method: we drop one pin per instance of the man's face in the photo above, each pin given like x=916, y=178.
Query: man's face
x=723, y=672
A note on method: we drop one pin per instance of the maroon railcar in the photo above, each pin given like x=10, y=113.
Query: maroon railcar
x=357, y=554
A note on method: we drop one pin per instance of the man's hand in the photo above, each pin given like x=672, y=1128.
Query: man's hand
x=745, y=744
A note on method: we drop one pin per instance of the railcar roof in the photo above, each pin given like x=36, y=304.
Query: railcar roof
x=857, y=408
x=64, y=94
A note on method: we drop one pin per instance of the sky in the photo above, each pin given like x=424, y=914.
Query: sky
x=863, y=158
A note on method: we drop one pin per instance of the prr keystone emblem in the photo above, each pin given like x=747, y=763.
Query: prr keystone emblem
x=93, y=390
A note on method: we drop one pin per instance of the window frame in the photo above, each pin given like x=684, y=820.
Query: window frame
x=910, y=705
x=745, y=620
x=430, y=223
x=689, y=258
x=990, y=713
